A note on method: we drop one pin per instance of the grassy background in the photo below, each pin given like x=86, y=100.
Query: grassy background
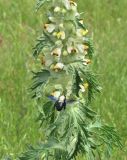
x=18, y=28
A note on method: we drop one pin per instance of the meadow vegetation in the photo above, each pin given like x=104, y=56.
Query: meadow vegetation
x=19, y=26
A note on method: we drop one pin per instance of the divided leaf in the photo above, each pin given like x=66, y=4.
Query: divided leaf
x=77, y=80
x=40, y=3
x=39, y=79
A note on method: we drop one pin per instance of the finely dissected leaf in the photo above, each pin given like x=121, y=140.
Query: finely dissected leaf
x=42, y=151
x=43, y=41
x=89, y=43
x=77, y=81
x=40, y=3
x=93, y=83
x=39, y=79
x=80, y=24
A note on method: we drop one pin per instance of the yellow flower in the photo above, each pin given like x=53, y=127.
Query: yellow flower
x=81, y=32
x=84, y=32
x=58, y=35
x=61, y=35
x=86, y=85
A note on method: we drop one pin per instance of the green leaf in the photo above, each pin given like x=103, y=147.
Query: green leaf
x=77, y=80
x=40, y=3
x=43, y=151
x=43, y=41
x=90, y=51
x=46, y=113
x=92, y=81
x=39, y=79
x=80, y=24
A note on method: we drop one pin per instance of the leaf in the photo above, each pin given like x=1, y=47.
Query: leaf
x=89, y=113
x=77, y=80
x=43, y=41
x=40, y=3
x=42, y=150
x=80, y=24
x=90, y=50
x=92, y=81
x=45, y=110
x=39, y=79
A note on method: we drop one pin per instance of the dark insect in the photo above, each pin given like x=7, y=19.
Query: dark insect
x=61, y=102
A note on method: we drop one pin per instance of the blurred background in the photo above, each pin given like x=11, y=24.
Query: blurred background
x=19, y=26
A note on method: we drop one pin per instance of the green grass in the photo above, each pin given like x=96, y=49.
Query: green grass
x=19, y=26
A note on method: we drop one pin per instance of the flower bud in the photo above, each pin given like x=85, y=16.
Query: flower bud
x=57, y=9
x=65, y=53
x=63, y=10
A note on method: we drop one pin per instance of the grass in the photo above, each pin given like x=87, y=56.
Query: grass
x=19, y=25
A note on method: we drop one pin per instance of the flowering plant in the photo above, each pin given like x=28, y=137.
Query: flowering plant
x=66, y=85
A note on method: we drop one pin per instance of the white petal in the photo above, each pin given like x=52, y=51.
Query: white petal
x=52, y=19
x=50, y=28
x=69, y=49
